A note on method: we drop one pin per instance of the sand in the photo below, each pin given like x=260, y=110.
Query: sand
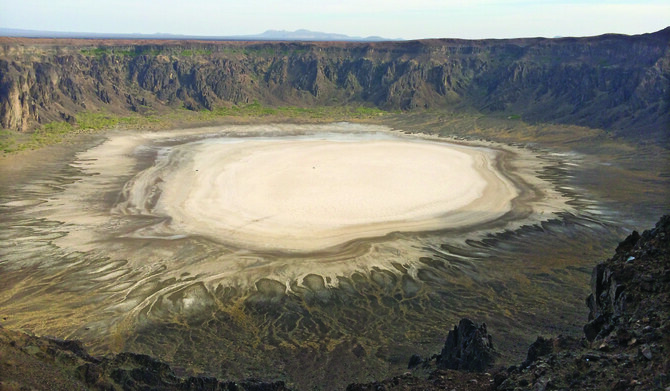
x=302, y=195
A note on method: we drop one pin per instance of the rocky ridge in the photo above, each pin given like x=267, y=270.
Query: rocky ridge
x=625, y=345
x=613, y=82
x=28, y=362
x=626, y=342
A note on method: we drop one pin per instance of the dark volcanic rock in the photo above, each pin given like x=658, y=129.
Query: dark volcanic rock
x=29, y=362
x=437, y=380
x=414, y=361
x=468, y=347
x=620, y=284
x=541, y=347
x=628, y=335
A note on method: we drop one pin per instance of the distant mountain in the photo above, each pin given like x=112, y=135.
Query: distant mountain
x=307, y=35
x=269, y=35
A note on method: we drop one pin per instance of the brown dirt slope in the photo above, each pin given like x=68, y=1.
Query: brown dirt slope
x=625, y=346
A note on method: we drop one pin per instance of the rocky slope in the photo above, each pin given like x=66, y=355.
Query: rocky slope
x=625, y=346
x=627, y=340
x=33, y=363
x=615, y=82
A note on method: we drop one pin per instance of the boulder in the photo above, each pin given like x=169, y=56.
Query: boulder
x=468, y=347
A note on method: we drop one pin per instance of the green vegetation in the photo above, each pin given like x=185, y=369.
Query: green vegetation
x=196, y=52
x=263, y=51
x=87, y=121
x=100, y=51
x=368, y=111
x=293, y=112
x=8, y=140
x=259, y=51
x=94, y=121
x=51, y=133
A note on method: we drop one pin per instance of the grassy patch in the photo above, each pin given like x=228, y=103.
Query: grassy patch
x=94, y=52
x=256, y=109
x=8, y=141
x=361, y=111
x=96, y=121
x=52, y=132
x=101, y=51
x=47, y=134
x=231, y=51
x=55, y=132
x=263, y=51
x=195, y=52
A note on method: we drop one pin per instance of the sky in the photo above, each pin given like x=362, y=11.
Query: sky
x=406, y=19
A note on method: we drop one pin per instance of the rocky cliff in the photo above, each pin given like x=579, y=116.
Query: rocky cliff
x=615, y=82
x=625, y=344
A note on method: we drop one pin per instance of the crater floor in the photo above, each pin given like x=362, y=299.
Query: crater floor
x=310, y=194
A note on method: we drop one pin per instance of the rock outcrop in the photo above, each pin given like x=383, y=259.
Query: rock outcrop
x=627, y=339
x=37, y=363
x=469, y=347
x=625, y=346
x=612, y=297
x=615, y=82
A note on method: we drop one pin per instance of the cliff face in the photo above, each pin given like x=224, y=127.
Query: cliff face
x=620, y=83
x=625, y=344
x=626, y=340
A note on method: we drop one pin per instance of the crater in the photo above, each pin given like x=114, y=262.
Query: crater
x=302, y=194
